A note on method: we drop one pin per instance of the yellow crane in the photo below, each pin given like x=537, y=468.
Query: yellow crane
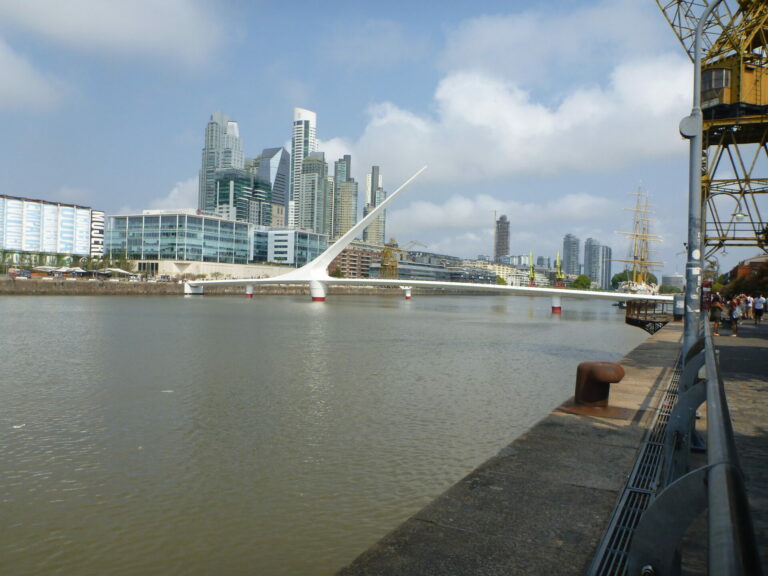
x=734, y=96
x=559, y=276
x=391, y=254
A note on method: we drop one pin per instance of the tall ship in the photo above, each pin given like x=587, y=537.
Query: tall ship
x=638, y=264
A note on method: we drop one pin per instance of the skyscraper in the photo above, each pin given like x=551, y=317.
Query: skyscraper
x=314, y=208
x=223, y=150
x=501, y=238
x=344, y=197
x=272, y=176
x=571, y=254
x=606, y=271
x=592, y=259
x=374, y=233
x=303, y=143
x=597, y=263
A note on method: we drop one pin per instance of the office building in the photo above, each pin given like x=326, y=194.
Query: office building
x=303, y=143
x=571, y=255
x=177, y=235
x=375, y=232
x=344, y=198
x=271, y=173
x=501, y=239
x=40, y=233
x=237, y=198
x=184, y=243
x=295, y=247
x=223, y=150
x=314, y=208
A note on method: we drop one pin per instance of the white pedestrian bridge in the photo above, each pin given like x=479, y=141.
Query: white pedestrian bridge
x=315, y=274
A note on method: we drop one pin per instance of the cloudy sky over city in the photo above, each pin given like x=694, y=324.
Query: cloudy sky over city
x=551, y=112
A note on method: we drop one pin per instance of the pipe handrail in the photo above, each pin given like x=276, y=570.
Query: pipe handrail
x=732, y=545
x=717, y=486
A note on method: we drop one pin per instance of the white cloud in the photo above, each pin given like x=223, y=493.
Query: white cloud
x=334, y=149
x=552, y=48
x=486, y=127
x=22, y=87
x=179, y=30
x=183, y=195
x=463, y=225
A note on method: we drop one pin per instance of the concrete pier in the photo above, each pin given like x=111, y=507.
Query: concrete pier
x=541, y=506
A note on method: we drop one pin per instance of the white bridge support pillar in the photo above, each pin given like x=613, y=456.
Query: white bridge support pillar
x=317, y=291
x=249, y=291
x=557, y=307
x=407, y=291
x=196, y=289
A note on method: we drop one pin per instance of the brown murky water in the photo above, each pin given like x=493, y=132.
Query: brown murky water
x=143, y=436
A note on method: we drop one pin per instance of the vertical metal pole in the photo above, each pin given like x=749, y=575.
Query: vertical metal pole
x=691, y=127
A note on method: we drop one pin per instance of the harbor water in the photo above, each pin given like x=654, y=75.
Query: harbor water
x=273, y=436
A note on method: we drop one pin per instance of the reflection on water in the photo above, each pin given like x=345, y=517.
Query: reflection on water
x=272, y=436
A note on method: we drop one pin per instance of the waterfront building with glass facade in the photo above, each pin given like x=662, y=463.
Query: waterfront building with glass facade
x=41, y=233
x=169, y=242
x=295, y=247
x=178, y=235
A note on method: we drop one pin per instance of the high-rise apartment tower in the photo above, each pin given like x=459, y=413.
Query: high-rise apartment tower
x=501, y=238
x=344, y=197
x=374, y=195
x=303, y=143
x=571, y=254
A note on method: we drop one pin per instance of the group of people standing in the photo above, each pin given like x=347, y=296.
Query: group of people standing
x=735, y=309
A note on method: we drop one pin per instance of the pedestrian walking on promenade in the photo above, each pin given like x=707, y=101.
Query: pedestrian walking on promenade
x=759, y=305
x=715, y=311
x=735, y=314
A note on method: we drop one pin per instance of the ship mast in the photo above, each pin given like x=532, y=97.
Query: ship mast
x=641, y=238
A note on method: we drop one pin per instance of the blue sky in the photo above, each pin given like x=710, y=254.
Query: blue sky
x=551, y=112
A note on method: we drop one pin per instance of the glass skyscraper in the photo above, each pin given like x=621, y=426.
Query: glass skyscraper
x=272, y=176
x=597, y=263
x=223, y=150
x=344, y=197
x=375, y=232
x=314, y=207
x=571, y=255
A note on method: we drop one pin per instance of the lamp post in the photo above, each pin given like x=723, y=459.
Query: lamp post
x=691, y=128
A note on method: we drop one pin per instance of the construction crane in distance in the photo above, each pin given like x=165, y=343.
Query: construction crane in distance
x=392, y=254
x=734, y=103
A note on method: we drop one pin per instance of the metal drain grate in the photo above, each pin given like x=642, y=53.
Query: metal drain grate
x=611, y=557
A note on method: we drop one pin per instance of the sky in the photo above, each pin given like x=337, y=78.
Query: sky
x=553, y=113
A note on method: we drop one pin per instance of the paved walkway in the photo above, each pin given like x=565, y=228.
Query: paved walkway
x=744, y=369
x=541, y=506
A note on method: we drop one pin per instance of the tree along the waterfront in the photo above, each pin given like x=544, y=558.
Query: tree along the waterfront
x=582, y=282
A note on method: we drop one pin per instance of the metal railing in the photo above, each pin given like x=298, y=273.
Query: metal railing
x=717, y=485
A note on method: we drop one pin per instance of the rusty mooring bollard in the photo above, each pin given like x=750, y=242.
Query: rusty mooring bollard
x=593, y=380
